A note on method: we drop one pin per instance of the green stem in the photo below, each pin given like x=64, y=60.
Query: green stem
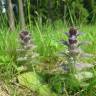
x=72, y=62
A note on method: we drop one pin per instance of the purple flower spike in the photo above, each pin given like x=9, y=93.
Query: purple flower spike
x=25, y=39
x=72, y=35
x=72, y=41
x=23, y=34
x=72, y=31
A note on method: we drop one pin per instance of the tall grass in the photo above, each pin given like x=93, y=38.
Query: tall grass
x=47, y=40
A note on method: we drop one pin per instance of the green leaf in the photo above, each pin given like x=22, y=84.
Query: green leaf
x=83, y=75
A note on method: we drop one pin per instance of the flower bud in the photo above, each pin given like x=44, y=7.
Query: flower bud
x=72, y=31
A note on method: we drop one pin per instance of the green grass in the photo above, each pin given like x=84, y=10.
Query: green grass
x=47, y=38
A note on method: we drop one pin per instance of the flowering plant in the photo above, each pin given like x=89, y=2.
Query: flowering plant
x=73, y=53
x=26, y=53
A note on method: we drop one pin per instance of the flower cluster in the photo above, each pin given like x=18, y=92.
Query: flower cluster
x=26, y=53
x=73, y=51
x=25, y=39
x=72, y=42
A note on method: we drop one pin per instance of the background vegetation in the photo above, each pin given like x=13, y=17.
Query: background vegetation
x=72, y=12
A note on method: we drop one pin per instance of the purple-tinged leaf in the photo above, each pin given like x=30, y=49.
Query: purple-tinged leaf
x=64, y=42
x=80, y=33
x=82, y=66
x=86, y=55
x=83, y=43
x=83, y=75
x=66, y=33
